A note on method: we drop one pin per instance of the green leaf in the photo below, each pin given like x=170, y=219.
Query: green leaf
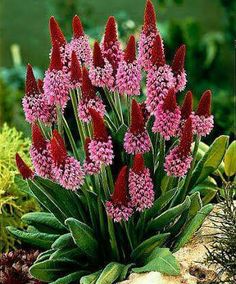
x=230, y=160
x=63, y=241
x=69, y=278
x=91, y=278
x=110, y=273
x=196, y=204
x=68, y=253
x=51, y=270
x=41, y=240
x=44, y=255
x=207, y=190
x=147, y=246
x=125, y=271
x=193, y=226
x=83, y=237
x=161, y=260
x=168, y=216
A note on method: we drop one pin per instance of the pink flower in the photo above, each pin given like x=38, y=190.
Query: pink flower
x=24, y=170
x=89, y=99
x=178, y=68
x=136, y=139
x=128, y=76
x=159, y=77
x=40, y=153
x=119, y=208
x=147, y=37
x=179, y=159
x=79, y=43
x=203, y=121
x=66, y=170
x=167, y=116
x=75, y=72
x=56, y=82
x=101, y=71
x=140, y=185
x=90, y=167
x=100, y=147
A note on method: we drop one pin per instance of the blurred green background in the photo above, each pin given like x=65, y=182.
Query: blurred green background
x=206, y=27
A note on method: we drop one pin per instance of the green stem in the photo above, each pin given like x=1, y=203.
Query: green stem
x=128, y=108
x=128, y=235
x=160, y=168
x=59, y=120
x=117, y=98
x=91, y=213
x=105, y=182
x=112, y=105
x=113, y=242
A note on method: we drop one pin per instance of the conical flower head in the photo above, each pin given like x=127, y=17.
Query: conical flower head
x=204, y=106
x=86, y=147
x=186, y=138
x=137, y=121
x=30, y=82
x=179, y=58
x=38, y=140
x=170, y=101
x=88, y=90
x=130, y=51
x=149, y=17
x=55, y=61
x=99, y=129
x=58, y=149
x=24, y=170
x=119, y=195
x=77, y=26
x=138, y=163
x=187, y=106
x=158, y=55
x=75, y=69
x=57, y=36
x=110, y=35
x=98, y=60
x=40, y=85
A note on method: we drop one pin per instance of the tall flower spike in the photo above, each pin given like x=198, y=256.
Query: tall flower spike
x=187, y=106
x=136, y=139
x=78, y=30
x=203, y=121
x=110, y=32
x=56, y=62
x=158, y=55
x=167, y=116
x=40, y=85
x=119, y=208
x=128, y=76
x=100, y=147
x=89, y=99
x=31, y=86
x=24, y=170
x=140, y=185
x=179, y=159
x=178, y=68
x=149, y=17
x=75, y=71
x=90, y=167
x=57, y=36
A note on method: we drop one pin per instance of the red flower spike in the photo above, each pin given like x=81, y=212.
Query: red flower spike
x=24, y=170
x=88, y=90
x=55, y=62
x=110, y=31
x=30, y=82
x=137, y=120
x=186, y=138
x=158, y=55
x=57, y=36
x=77, y=26
x=170, y=101
x=138, y=164
x=86, y=144
x=58, y=153
x=40, y=85
x=98, y=60
x=187, y=106
x=130, y=51
x=149, y=17
x=75, y=69
x=59, y=139
x=119, y=195
x=99, y=129
x=204, y=106
x=37, y=138
x=179, y=58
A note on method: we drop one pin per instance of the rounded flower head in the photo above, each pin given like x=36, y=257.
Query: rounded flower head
x=119, y=208
x=179, y=159
x=178, y=68
x=40, y=153
x=167, y=116
x=140, y=185
x=79, y=43
x=101, y=71
x=90, y=167
x=75, y=72
x=100, y=147
x=159, y=77
x=56, y=82
x=202, y=120
x=128, y=76
x=89, y=99
x=66, y=170
x=24, y=170
x=136, y=138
